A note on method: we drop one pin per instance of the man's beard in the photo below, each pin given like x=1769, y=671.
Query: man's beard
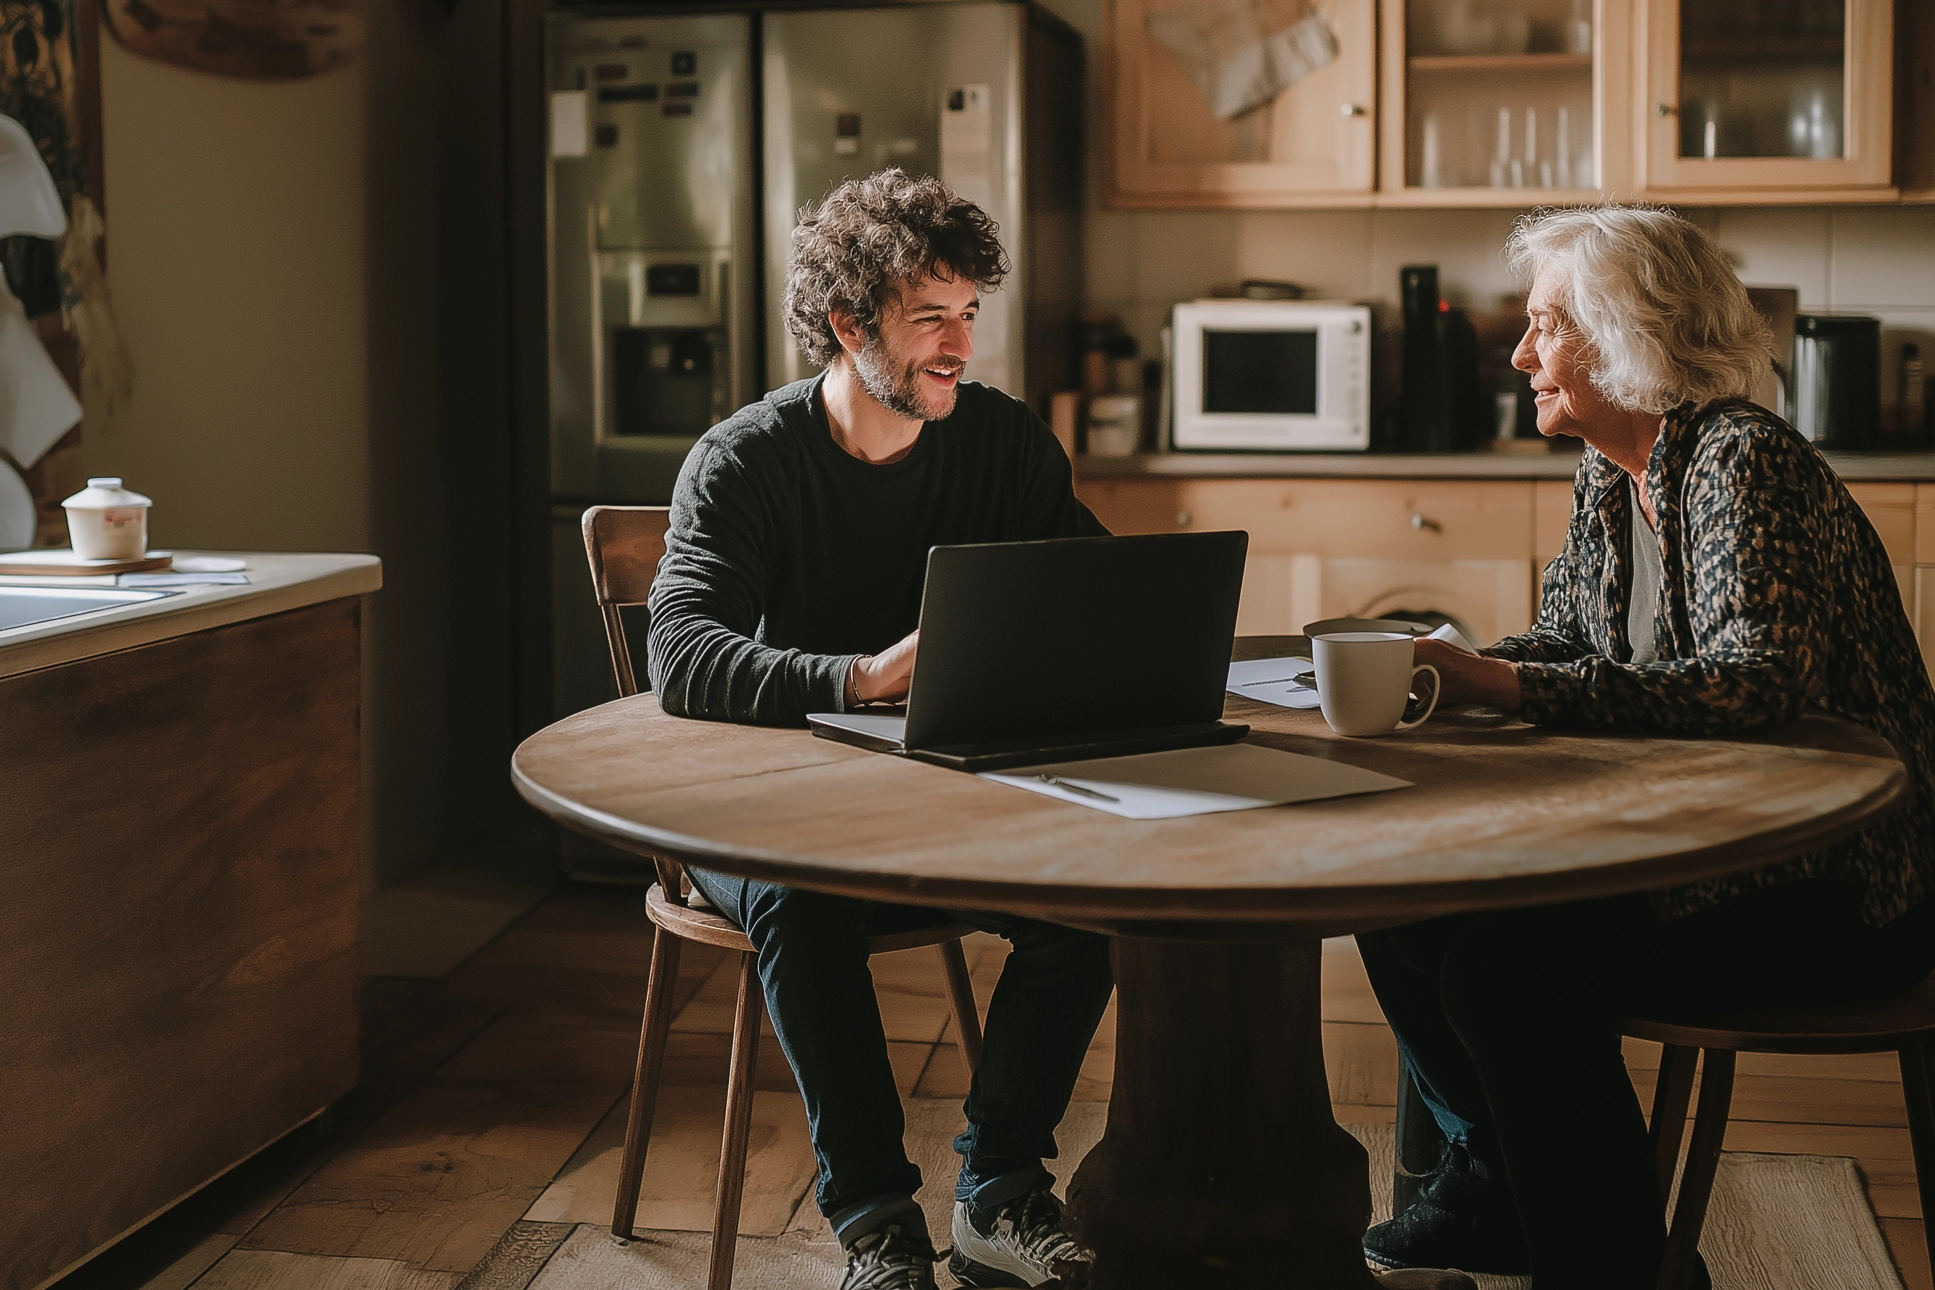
x=895, y=386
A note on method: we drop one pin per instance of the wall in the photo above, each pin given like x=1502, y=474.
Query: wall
x=270, y=255
x=1874, y=260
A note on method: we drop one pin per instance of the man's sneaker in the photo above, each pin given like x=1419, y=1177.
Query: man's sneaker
x=1463, y=1218
x=1027, y=1243
x=890, y=1259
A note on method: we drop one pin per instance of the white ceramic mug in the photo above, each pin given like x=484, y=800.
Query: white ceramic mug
x=1364, y=681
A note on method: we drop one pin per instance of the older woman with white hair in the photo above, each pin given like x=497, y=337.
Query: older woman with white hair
x=1716, y=579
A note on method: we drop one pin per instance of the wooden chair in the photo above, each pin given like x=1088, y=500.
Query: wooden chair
x=623, y=544
x=1904, y=1024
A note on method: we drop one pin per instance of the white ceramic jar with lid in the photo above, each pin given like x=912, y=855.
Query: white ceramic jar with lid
x=107, y=522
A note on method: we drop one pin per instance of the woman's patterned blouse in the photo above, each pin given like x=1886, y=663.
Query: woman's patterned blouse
x=1778, y=598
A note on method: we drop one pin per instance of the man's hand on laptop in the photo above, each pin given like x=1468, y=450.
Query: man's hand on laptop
x=884, y=677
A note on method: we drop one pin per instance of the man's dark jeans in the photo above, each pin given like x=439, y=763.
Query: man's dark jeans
x=813, y=963
x=1509, y=1021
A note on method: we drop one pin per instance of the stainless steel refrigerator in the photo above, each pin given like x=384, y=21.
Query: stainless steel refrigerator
x=682, y=149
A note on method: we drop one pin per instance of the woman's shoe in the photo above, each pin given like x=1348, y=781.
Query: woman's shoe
x=1463, y=1218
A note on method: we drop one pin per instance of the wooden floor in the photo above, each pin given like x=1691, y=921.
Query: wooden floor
x=481, y=1087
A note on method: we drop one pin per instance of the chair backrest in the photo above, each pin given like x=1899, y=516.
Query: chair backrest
x=623, y=544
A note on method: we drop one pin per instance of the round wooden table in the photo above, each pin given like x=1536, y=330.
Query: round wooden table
x=1222, y=1163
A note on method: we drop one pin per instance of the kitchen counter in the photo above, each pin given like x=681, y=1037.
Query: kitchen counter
x=278, y=582
x=1875, y=467
x=184, y=864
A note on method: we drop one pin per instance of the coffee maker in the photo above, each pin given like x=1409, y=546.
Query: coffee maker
x=1442, y=408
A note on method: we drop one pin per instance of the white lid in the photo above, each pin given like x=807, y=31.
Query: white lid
x=103, y=492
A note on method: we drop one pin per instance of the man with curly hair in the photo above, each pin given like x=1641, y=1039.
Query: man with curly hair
x=792, y=583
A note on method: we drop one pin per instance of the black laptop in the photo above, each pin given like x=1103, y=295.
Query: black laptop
x=1035, y=652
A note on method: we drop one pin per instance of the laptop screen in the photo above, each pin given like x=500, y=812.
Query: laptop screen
x=1080, y=636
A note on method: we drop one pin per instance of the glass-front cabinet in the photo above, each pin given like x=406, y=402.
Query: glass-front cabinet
x=1768, y=94
x=1523, y=100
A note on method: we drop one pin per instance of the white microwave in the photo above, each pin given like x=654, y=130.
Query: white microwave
x=1271, y=376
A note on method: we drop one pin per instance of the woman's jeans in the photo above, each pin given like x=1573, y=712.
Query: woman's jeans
x=1509, y=1022
x=812, y=951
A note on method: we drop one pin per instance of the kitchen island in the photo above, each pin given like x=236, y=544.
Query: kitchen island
x=182, y=851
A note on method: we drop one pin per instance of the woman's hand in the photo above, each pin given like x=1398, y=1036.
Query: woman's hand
x=1470, y=678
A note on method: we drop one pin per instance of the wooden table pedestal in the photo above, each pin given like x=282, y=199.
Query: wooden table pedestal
x=1222, y=1164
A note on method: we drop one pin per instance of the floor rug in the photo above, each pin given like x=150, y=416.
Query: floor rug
x=1777, y=1222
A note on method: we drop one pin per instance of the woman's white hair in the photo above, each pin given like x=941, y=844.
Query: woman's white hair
x=1663, y=314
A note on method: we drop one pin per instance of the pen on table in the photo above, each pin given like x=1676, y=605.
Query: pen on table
x=1067, y=787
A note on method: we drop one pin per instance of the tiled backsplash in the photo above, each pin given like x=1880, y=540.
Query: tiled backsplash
x=1875, y=260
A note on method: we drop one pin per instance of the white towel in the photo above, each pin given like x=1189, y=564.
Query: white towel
x=36, y=407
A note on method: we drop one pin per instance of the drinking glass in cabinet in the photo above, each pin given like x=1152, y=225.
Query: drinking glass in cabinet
x=1762, y=78
x=1462, y=131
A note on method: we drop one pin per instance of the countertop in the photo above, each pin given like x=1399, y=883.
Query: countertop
x=1866, y=467
x=278, y=582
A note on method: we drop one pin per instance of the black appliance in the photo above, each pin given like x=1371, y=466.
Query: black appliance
x=1443, y=408
x=1837, y=380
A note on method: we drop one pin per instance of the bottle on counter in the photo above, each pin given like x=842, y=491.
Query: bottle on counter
x=1911, y=401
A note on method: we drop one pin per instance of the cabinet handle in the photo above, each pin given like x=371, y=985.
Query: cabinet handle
x=1421, y=521
x=1182, y=519
x=1354, y=109
x=1664, y=109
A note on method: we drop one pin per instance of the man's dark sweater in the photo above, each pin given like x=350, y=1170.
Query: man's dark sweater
x=788, y=557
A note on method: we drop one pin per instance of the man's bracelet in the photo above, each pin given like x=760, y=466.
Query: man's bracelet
x=853, y=681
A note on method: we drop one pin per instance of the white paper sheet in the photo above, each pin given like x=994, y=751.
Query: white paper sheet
x=182, y=580
x=1286, y=682
x=1292, y=682
x=1197, y=781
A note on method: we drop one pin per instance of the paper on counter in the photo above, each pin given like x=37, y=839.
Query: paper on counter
x=182, y=580
x=1453, y=637
x=1286, y=682
x=1199, y=781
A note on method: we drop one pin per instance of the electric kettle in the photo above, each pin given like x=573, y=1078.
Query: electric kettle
x=1837, y=380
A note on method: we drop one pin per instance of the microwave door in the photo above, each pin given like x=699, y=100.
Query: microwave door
x=1272, y=373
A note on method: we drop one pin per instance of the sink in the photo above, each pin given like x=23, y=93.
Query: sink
x=25, y=606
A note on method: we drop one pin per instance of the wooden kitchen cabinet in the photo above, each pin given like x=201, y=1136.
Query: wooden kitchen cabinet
x=1738, y=96
x=1474, y=110
x=1925, y=614
x=1323, y=548
x=1392, y=519
x=1473, y=550
x=178, y=913
x=1729, y=102
x=1314, y=144
x=1923, y=605
x=1551, y=518
x=1891, y=509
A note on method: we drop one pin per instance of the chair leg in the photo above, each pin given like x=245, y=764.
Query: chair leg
x=1670, y=1096
x=1702, y=1159
x=1918, y=1091
x=960, y=1002
x=739, y=1103
x=656, y=1024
